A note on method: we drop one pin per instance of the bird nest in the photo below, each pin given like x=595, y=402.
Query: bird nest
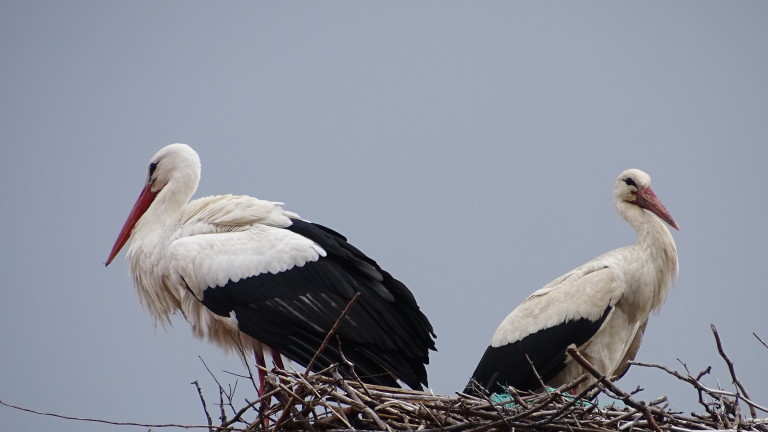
x=324, y=401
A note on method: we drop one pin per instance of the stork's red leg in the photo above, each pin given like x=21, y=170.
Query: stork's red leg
x=277, y=359
x=259, y=354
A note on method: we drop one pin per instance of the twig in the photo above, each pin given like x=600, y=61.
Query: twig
x=366, y=410
x=221, y=390
x=516, y=396
x=331, y=332
x=731, y=369
x=205, y=408
x=351, y=366
x=580, y=397
x=222, y=411
x=536, y=373
x=573, y=352
x=758, y=338
x=303, y=420
x=497, y=409
x=338, y=414
x=239, y=415
x=93, y=420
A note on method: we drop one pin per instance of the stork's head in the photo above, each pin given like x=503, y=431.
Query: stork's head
x=174, y=173
x=176, y=163
x=633, y=187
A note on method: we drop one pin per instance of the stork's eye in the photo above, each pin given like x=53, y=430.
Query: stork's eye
x=630, y=182
x=152, y=168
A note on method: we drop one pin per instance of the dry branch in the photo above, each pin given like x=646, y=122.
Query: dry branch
x=731, y=369
x=607, y=384
x=758, y=338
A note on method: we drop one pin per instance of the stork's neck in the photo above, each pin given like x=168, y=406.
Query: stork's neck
x=652, y=233
x=169, y=204
x=147, y=252
x=167, y=207
x=656, y=252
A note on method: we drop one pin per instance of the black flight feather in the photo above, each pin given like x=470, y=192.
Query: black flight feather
x=385, y=334
x=507, y=365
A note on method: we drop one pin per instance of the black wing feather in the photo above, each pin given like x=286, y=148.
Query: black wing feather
x=385, y=334
x=508, y=365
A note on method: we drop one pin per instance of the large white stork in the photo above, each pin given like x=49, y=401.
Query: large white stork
x=247, y=274
x=601, y=307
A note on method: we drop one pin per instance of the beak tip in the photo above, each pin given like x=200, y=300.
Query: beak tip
x=110, y=258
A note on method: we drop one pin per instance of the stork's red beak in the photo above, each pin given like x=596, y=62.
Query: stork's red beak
x=648, y=200
x=142, y=204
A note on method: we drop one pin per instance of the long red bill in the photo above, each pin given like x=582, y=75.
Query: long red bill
x=142, y=204
x=648, y=200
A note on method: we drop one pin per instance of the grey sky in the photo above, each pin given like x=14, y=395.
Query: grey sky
x=470, y=148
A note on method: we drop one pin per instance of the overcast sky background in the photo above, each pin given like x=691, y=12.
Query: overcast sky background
x=469, y=147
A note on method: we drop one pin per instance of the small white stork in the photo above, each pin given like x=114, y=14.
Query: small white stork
x=601, y=307
x=247, y=274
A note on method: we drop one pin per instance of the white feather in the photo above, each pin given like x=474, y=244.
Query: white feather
x=214, y=259
x=584, y=292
